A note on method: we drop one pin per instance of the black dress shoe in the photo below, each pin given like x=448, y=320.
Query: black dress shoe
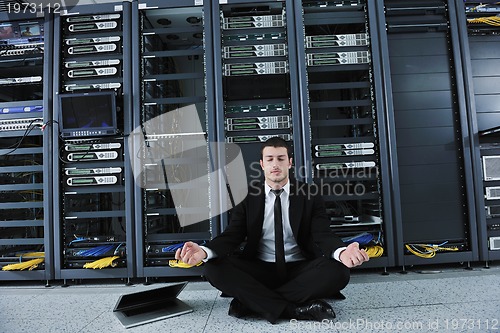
x=238, y=310
x=317, y=310
x=338, y=295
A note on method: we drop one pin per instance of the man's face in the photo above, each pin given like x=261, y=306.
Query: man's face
x=275, y=163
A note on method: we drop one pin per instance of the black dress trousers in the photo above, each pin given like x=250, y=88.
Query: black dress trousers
x=256, y=285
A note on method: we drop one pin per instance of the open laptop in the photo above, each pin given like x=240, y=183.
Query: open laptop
x=151, y=305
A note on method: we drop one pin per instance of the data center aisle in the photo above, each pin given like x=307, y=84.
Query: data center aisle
x=453, y=300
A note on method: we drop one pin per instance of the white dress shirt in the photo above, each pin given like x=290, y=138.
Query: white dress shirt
x=266, y=249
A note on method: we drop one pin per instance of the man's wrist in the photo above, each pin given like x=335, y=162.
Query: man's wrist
x=338, y=252
x=206, y=255
x=209, y=254
x=340, y=259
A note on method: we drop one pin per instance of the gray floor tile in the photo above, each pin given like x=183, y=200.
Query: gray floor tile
x=454, y=300
x=422, y=318
x=384, y=294
x=41, y=325
x=481, y=316
x=460, y=289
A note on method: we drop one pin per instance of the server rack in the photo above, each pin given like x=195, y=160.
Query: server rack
x=343, y=120
x=92, y=177
x=25, y=196
x=480, y=46
x=173, y=132
x=430, y=155
x=256, y=91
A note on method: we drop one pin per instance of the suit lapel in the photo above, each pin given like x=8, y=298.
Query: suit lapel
x=256, y=210
x=295, y=209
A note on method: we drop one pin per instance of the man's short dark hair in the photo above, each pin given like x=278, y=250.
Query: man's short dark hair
x=275, y=142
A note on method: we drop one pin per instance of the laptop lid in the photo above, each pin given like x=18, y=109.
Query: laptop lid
x=150, y=305
x=490, y=131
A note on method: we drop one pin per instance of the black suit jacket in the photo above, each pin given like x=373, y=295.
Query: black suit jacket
x=308, y=219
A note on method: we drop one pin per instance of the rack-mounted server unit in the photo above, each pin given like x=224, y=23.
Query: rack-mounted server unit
x=25, y=195
x=257, y=97
x=255, y=68
x=93, y=178
x=343, y=122
x=173, y=129
x=428, y=130
x=478, y=23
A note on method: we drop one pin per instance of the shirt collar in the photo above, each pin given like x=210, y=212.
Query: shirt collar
x=286, y=188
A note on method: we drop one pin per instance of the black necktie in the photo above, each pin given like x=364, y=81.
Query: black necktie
x=278, y=236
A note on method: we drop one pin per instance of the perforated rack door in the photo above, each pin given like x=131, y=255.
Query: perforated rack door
x=93, y=180
x=25, y=163
x=342, y=112
x=432, y=158
x=173, y=131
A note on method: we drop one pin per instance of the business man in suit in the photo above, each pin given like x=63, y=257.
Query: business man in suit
x=285, y=276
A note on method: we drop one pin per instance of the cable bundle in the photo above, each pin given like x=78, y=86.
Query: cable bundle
x=180, y=264
x=374, y=251
x=172, y=248
x=102, y=263
x=362, y=238
x=33, y=123
x=77, y=239
x=95, y=251
x=30, y=264
x=428, y=250
x=490, y=20
x=477, y=9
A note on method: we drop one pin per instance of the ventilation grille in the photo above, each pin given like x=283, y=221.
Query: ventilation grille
x=491, y=167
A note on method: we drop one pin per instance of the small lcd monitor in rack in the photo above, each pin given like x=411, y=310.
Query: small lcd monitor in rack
x=91, y=114
x=24, y=33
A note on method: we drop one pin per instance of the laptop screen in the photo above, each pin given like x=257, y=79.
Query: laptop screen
x=151, y=305
x=169, y=304
x=490, y=131
x=149, y=297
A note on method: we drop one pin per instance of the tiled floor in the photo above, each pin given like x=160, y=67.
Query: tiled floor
x=450, y=300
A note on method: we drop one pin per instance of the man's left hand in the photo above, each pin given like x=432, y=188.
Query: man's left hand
x=191, y=254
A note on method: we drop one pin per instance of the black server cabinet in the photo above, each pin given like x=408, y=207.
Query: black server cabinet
x=25, y=121
x=257, y=90
x=480, y=33
x=173, y=129
x=93, y=205
x=430, y=155
x=343, y=120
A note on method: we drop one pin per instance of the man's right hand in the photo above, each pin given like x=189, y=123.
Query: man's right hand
x=191, y=254
x=353, y=256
